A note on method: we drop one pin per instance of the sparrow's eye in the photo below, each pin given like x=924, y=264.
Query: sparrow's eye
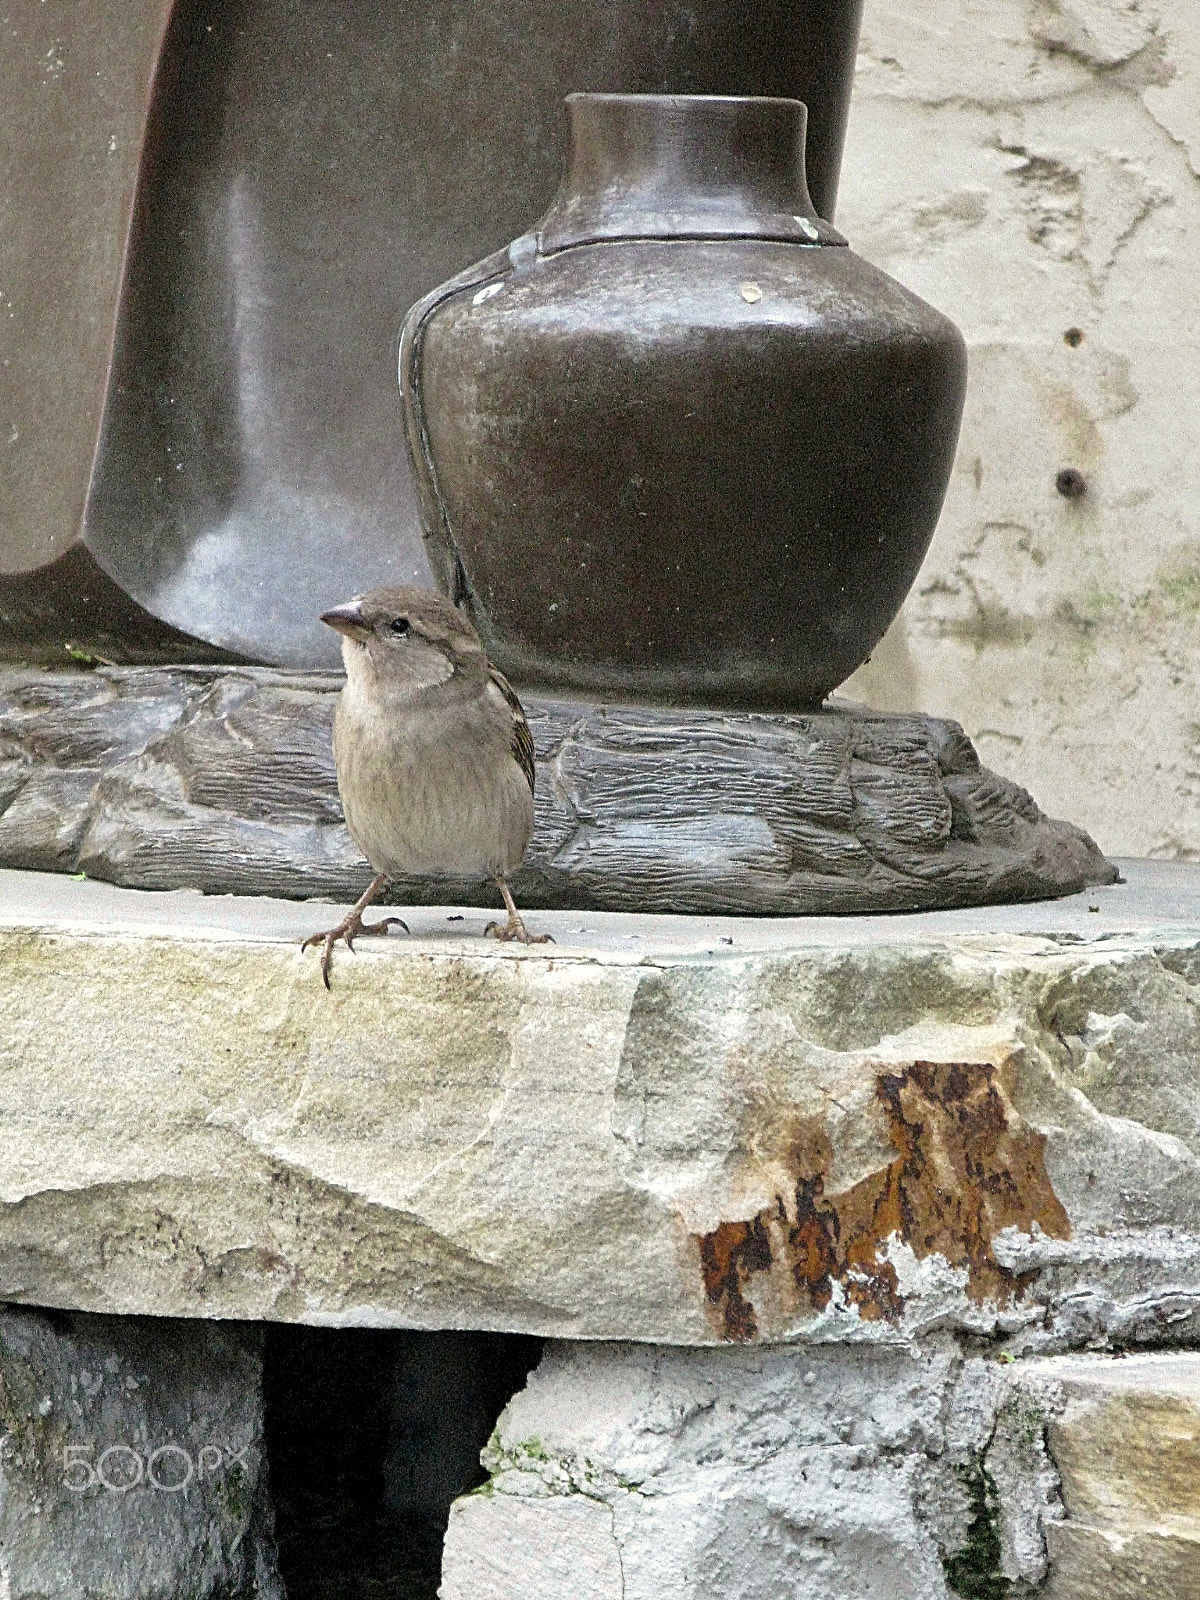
x=400, y=624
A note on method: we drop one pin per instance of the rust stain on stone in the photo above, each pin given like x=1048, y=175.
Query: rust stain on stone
x=966, y=1166
x=728, y=1256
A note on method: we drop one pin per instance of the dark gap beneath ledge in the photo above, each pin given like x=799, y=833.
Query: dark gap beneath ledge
x=370, y=1434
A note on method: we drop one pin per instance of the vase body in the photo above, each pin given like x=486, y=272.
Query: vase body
x=679, y=442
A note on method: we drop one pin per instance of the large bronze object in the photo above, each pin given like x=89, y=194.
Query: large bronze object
x=218, y=214
x=679, y=441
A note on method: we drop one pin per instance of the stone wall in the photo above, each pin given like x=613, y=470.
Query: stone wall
x=643, y=1473
x=864, y=1251
x=156, y=1459
x=132, y=1461
x=1032, y=167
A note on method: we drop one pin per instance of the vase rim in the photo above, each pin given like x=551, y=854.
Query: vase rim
x=684, y=99
x=675, y=166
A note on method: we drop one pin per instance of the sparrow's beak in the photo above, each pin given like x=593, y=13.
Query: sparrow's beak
x=348, y=619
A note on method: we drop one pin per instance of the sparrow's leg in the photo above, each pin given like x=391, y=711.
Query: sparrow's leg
x=514, y=928
x=351, y=926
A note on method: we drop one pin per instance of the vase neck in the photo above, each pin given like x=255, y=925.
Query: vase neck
x=683, y=166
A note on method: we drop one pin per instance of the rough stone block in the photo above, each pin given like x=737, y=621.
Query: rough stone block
x=508, y=1549
x=132, y=1462
x=633, y=1473
x=1127, y=1445
x=660, y=1474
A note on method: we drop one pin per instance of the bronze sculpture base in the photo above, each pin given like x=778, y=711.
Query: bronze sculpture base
x=221, y=779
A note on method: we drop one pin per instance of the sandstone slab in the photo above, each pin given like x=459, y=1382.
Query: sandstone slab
x=1127, y=1445
x=697, y=1131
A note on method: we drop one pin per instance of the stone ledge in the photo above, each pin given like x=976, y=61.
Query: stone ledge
x=688, y=1130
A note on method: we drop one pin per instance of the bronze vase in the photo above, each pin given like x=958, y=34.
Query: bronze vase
x=678, y=442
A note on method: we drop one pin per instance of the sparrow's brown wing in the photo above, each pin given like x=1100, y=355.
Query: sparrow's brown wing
x=522, y=740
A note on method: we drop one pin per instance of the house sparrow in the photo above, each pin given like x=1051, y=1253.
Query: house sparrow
x=434, y=755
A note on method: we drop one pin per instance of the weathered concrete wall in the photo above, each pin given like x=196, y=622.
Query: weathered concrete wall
x=1032, y=167
x=629, y=1472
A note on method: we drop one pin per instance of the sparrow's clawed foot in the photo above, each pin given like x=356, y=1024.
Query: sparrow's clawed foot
x=351, y=926
x=514, y=928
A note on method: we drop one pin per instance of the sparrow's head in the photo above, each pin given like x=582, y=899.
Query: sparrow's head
x=410, y=639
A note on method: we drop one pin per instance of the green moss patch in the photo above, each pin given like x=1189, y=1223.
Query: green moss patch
x=973, y=1572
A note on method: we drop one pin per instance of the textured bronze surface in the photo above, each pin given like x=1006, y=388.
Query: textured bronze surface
x=307, y=170
x=224, y=780
x=72, y=608
x=681, y=444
